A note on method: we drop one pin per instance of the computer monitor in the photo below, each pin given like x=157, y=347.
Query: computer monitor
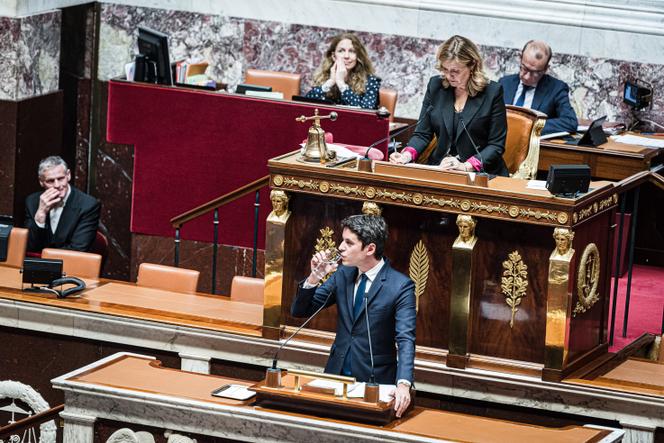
x=152, y=62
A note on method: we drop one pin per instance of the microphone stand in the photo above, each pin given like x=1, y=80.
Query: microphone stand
x=273, y=374
x=364, y=163
x=472, y=142
x=371, y=389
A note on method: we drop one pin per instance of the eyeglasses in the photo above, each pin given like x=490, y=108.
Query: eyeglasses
x=533, y=72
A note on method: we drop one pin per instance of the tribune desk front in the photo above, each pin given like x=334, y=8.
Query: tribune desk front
x=512, y=302
x=126, y=391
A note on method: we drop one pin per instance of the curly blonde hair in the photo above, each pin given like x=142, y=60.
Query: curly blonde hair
x=462, y=50
x=357, y=77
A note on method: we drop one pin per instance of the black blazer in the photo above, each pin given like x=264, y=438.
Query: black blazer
x=391, y=304
x=77, y=227
x=484, y=116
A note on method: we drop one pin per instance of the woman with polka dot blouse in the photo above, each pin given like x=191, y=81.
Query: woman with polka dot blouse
x=346, y=75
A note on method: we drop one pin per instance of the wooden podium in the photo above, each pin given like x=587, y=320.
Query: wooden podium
x=291, y=394
x=507, y=277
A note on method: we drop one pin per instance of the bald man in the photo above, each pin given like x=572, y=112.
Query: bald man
x=533, y=88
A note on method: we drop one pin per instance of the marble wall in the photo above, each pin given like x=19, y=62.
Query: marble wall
x=404, y=62
x=29, y=55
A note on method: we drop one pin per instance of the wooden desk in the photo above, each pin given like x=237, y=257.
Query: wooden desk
x=118, y=388
x=610, y=161
x=634, y=375
x=128, y=300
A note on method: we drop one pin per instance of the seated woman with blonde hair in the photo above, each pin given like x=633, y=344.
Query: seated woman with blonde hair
x=346, y=75
x=464, y=110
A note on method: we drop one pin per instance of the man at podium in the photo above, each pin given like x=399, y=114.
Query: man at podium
x=365, y=285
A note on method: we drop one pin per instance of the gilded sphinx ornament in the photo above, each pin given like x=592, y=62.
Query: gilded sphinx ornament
x=418, y=270
x=587, y=281
x=514, y=282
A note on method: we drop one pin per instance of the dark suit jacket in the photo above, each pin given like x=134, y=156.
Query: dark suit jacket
x=77, y=227
x=484, y=116
x=391, y=302
x=551, y=97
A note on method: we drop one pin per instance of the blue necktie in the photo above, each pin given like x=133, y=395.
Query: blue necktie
x=522, y=98
x=359, y=295
x=359, y=300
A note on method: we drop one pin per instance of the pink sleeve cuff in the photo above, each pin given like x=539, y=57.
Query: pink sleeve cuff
x=475, y=163
x=411, y=151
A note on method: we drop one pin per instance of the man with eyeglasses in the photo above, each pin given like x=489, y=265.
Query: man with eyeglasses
x=533, y=88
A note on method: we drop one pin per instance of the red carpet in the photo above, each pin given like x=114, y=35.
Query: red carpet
x=645, y=307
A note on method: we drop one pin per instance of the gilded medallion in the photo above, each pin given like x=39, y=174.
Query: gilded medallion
x=587, y=281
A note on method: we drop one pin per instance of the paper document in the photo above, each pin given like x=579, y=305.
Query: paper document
x=536, y=184
x=632, y=139
x=384, y=392
x=554, y=135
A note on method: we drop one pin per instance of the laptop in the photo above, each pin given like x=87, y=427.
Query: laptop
x=594, y=135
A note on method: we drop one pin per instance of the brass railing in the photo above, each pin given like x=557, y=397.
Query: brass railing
x=213, y=205
x=25, y=424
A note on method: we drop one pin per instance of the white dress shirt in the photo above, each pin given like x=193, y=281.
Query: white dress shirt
x=528, y=99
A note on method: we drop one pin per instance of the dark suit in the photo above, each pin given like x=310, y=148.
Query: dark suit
x=484, y=116
x=391, y=302
x=77, y=227
x=551, y=97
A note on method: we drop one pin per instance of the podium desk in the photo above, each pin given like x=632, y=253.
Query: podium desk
x=610, y=161
x=507, y=302
x=133, y=390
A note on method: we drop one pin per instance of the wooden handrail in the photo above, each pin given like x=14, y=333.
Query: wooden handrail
x=31, y=421
x=638, y=179
x=254, y=186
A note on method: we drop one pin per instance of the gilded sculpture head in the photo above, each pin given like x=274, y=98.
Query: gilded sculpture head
x=371, y=208
x=279, y=201
x=563, y=238
x=466, y=225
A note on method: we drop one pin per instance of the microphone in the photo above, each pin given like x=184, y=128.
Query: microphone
x=276, y=354
x=371, y=389
x=477, y=151
x=372, y=378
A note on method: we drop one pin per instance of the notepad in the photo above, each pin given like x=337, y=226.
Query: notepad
x=234, y=392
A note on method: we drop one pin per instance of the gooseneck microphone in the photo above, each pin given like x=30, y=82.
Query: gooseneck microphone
x=372, y=378
x=400, y=131
x=276, y=354
x=477, y=151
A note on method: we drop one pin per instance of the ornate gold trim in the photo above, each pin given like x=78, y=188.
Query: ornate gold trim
x=279, y=200
x=595, y=207
x=418, y=270
x=558, y=300
x=587, y=281
x=514, y=282
x=528, y=168
x=424, y=200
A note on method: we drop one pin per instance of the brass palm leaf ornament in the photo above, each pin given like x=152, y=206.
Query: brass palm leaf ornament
x=514, y=282
x=325, y=242
x=418, y=270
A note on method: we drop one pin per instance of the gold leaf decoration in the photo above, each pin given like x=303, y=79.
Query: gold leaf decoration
x=325, y=242
x=418, y=270
x=587, y=281
x=514, y=282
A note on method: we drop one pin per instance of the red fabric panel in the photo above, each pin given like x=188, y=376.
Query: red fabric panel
x=193, y=146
